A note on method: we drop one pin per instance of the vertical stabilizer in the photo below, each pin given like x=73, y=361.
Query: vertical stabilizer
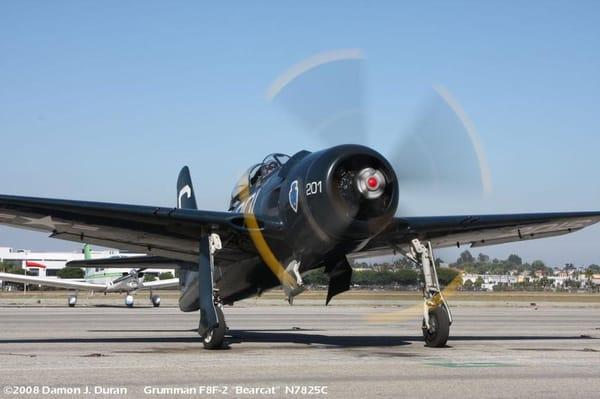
x=186, y=198
x=87, y=252
x=87, y=255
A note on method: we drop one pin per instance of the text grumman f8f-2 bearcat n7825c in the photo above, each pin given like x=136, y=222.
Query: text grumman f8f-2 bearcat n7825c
x=290, y=215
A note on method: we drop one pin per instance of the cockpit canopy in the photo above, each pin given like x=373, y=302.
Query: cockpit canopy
x=255, y=175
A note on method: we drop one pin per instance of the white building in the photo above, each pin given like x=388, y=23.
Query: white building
x=490, y=280
x=47, y=264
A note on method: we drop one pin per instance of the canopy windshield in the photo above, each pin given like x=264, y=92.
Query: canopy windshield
x=255, y=174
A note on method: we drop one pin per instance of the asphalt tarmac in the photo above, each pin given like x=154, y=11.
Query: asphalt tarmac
x=497, y=350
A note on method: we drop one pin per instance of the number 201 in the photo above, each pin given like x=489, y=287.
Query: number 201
x=315, y=187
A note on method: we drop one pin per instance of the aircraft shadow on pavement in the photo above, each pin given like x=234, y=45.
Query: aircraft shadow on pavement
x=340, y=341
x=279, y=336
x=348, y=341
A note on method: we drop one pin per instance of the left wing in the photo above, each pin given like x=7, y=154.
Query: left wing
x=477, y=230
x=51, y=282
x=167, y=232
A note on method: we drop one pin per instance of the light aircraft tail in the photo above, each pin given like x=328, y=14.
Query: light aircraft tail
x=87, y=255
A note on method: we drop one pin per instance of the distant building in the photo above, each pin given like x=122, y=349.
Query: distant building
x=47, y=264
x=490, y=280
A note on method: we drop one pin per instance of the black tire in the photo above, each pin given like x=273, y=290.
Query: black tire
x=215, y=338
x=129, y=304
x=155, y=301
x=439, y=322
x=71, y=302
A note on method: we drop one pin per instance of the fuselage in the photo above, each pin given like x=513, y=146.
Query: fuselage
x=316, y=211
x=116, y=280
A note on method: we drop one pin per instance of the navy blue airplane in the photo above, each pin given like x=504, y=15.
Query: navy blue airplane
x=287, y=216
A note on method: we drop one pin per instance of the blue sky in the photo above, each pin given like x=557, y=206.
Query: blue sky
x=107, y=100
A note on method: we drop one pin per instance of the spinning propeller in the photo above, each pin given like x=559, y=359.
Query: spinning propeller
x=440, y=153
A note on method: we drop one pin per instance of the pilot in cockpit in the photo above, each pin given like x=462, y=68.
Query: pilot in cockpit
x=271, y=163
x=268, y=168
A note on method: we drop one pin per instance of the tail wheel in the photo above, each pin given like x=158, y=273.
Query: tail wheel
x=437, y=334
x=215, y=338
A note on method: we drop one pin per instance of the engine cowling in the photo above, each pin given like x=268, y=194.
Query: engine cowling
x=348, y=192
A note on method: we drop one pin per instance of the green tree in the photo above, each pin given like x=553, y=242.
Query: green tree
x=7, y=267
x=165, y=276
x=594, y=268
x=478, y=283
x=514, y=260
x=71, y=272
x=149, y=277
x=468, y=285
x=545, y=282
x=406, y=277
x=446, y=275
x=589, y=273
x=465, y=258
x=316, y=277
x=538, y=265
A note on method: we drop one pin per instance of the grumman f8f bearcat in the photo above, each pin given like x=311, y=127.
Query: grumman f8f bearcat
x=287, y=216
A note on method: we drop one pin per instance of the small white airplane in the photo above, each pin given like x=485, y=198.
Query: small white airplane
x=102, y=280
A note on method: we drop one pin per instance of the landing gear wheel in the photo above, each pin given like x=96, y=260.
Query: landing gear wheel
x=129, y=301
x=72, y=301
x=155, y=299
x=214, y=339
x=439, y=328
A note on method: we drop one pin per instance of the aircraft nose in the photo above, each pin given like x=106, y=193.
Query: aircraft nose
x=371, y=183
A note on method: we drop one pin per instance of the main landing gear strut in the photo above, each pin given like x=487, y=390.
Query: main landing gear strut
x=437, y=317
x=212, y=325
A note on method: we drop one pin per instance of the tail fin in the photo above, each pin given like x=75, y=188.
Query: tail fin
x=186, y=198
x=87, y=252
x=87, y=255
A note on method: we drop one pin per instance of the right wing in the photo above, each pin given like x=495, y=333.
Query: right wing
x=50, y=282
x=161, y=284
